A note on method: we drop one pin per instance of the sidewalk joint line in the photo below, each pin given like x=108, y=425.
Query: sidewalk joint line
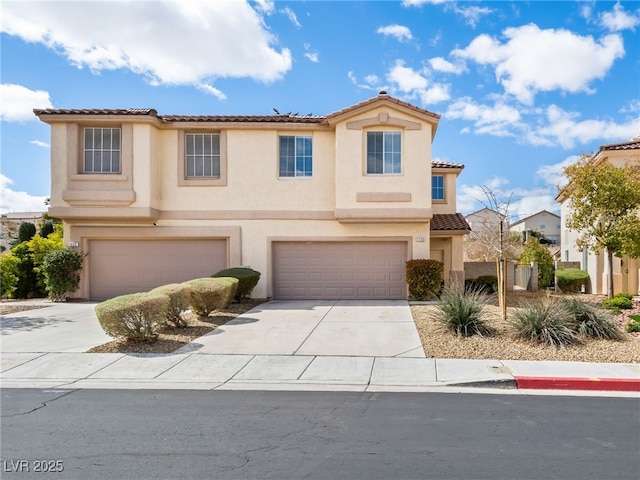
x=307, y=367
x=174, y=365
x=42, y=354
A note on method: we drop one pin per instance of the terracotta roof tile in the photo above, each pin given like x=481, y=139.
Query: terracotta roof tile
x=439, y=164
x=384, y=95
x=633, y=144
x=244, y=118
x=449, y=221
x=96, y=111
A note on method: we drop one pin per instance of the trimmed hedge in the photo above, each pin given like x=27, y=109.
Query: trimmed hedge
x=209, y=294
x=179, y=299
x=135, y=317
x=247, y=279
x=571, y=280
x=620, y=301
x=425, y=278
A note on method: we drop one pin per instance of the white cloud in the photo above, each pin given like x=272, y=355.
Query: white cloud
x=534, y=60
x=472, y=15
x=265, y=6
x=498, y=120
x=39, y=143
x=439, y=64
x=563, y=128
x=419, y=3
x=312, y=56
x=174, y=42
x=12, y=201
x=411, y=83
x=400, y=32
x=553, y=174
x=291, y=16
x=17, y=102
x=617, y=19
x=206, y=88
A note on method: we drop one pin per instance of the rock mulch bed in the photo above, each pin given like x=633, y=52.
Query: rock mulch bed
x=439, y=343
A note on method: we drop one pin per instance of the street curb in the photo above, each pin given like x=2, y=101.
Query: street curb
x=578, y=383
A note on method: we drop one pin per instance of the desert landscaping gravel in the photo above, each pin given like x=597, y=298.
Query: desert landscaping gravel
x=440, y=343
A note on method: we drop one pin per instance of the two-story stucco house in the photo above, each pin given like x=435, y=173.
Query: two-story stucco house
x=626, y=271
x=544, y=222
x=325, y=207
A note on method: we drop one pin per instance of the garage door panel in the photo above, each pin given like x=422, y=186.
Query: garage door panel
x=333, y=270
x=119, y=267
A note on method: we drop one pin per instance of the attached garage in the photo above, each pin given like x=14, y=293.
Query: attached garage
x=339, y=270
x=117, y=267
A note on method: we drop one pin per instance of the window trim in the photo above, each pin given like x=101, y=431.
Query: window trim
x=444, y=188
x=295, y=176
x=183, y=180
x=75, y=145
x=366, y=151
x=84, y=150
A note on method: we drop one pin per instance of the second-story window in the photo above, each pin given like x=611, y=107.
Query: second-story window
x=102, y=150
x=384, y=153
x=437, y=187
x=202, y=155
x=296, y=156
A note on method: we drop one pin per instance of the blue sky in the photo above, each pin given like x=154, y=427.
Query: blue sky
x=523, y=88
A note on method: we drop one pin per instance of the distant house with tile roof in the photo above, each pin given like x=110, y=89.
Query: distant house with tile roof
x=325, y=207
x=543, y=222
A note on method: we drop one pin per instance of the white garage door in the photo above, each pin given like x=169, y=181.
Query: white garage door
x=118, y=267
x=339, y=270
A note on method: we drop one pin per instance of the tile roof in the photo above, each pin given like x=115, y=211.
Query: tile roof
x=449, y=221
x=244, y=118
x=440, y=164
x=383, y=95
x=96, y=111
x=633, y=144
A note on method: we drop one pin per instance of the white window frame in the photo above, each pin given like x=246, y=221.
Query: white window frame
x=385, y=151
x=204, y=148
x=110, y=154
x=301, y=160
x=443, y=188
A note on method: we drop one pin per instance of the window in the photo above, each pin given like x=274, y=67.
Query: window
x=383, y=153
x=296, y=156
x=101, y=150
x=202, y=155
x=437, y=187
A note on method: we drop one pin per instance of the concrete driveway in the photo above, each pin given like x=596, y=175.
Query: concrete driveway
x=361, y=328
x=306, y=328
x=57, y=327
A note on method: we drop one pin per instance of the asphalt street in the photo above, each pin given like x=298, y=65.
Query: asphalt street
x=161, y=434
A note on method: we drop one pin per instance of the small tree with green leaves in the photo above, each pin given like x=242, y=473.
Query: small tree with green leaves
x=534, y=252
x=8, y=274
x=605, y=201
x=61, y=270
x=26, y=231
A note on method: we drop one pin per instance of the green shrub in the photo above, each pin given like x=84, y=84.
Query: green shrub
x=424, y=278
x=247, y=279
x=485, y=283
x=26, y=231
x=462, y=311
x=626, y=295
x=136, y=317
x=8, y=274
x=27, y=285
x=634, y=324
x=209, y=294
x=179, y=298
x=544, y=321
x=590, y=321
x=61, y=269
x=617, y=303
x=534, y=252
x=571, y=280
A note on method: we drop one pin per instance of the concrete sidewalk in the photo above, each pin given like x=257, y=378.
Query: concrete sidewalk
x=350, y=346
x=307, y=372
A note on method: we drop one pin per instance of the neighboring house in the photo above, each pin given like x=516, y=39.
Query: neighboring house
x=10, y=224
x=323, y=206
x=544, y=222
x=483, y=244
x=626, y=271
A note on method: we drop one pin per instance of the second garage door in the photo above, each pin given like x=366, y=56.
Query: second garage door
x=127, y=266
x=339, y=270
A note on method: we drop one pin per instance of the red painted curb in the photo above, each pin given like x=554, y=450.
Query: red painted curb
x=576, y=383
